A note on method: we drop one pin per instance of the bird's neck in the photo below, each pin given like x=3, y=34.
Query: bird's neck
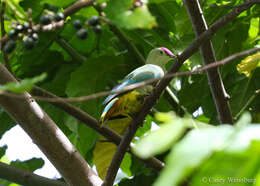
x=157, y=62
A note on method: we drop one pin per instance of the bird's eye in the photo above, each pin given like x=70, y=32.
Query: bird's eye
x=161, y=52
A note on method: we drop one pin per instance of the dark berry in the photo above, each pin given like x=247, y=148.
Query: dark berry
x=26, y=25
x=45, y=19
x=19, y=28
x=10, y=46
x=12, y=33
x=77, y=24
x=35, y=36
x=93, y=21
x=58, y=17
x=82, y=33
x=28, y=43
x=97, y=29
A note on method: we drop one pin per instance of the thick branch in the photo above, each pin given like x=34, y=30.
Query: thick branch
x=48, y=137
x=27, y=178
x=217, y=88
x=152, y=99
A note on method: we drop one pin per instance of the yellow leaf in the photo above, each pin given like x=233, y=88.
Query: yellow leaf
x=248, y=64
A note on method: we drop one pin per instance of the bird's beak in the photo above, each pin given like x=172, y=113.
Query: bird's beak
x=172, y=56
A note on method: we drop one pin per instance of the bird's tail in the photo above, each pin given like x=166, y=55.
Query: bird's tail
x=104, y=150
x=107, y=111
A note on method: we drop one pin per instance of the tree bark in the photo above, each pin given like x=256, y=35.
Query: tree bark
x=48, y=137
x=217, y=88
x=27, y=178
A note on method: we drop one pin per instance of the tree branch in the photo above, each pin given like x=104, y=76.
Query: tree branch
x=78, y=58
x=27, y=178
x=250, y=100
x=77, y=6
x=48, y=137
x=152, y=99
x=40, y=94
x=91, y=122
x=217, y=88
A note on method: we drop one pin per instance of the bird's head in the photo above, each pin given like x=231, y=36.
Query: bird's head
x=160, y=56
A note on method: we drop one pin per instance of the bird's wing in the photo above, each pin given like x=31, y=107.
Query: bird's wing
x=140, y=74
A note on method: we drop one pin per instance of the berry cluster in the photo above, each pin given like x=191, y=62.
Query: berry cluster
x=27, y=32
x=23, y=31
x=47, y=19
x=93, y=22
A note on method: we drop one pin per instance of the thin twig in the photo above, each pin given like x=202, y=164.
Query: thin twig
x=78, y=58
x=55, y=99
x=250, y=100
x=3, y=33
x=152, y=99
x=77, y=6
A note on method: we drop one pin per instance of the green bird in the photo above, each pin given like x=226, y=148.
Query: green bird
x=120, y=108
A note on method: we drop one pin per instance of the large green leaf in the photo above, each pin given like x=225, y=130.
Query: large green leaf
x=126, y=17
x=23, y=86
x=6, y=122
x=199, y=145
x=2, y=151
x=30, y=165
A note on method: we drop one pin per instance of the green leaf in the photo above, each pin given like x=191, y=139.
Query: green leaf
x=2, y=151
x=233, y=169
x=6, y=122
x=29, y=165
x=126, y=165
x=125, y=17
x=23, y=86
x=254, y=27
x=199, y=145
x=190, y=152
x=160, y=140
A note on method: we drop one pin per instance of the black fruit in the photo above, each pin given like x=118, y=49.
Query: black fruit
x=19, y=28
x=58, y=17
x=97, y=29
x=82, y=33
x=45, y=19
x=35, y=36
x=28, y=43
x=9, y=46
x=77, y=24
x=12, y=33
x=26, y=25
x=93, y=21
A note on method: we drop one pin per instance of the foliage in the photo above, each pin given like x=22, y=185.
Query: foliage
x=202, y=148
x=76, y=67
